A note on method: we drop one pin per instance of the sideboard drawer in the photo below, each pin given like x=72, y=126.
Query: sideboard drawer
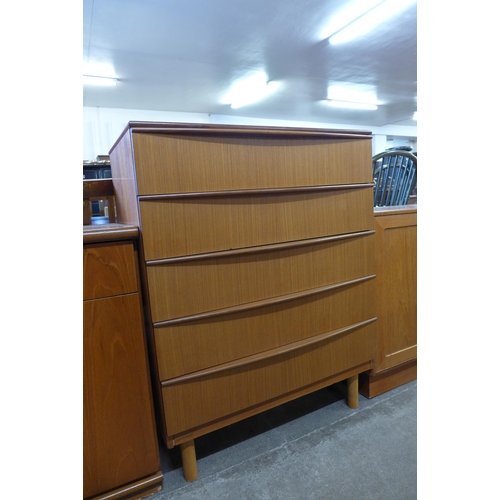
x=108, y=269
x=192, y=225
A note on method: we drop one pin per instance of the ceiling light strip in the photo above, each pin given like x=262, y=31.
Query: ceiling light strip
x=99, y=80
x=351, y=105
x=369, y=20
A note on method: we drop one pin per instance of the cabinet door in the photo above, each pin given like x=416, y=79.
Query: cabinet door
x=119, y=437
x=396, y=300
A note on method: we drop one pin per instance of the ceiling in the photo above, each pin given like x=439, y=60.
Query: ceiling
x=184, y=55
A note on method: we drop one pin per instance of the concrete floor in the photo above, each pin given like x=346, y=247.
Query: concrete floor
x=313, y=448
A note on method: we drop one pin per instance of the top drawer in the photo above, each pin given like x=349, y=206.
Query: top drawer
x=170, y=163
x=108, y=270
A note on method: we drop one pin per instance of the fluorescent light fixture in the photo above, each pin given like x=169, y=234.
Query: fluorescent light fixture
x=351, y=105
x=99, y=80
x=352, y=96
x=368, y=20
x=347, y=15
x=250, y=89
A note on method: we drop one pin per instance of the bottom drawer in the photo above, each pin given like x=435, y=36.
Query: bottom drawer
x=199, y=399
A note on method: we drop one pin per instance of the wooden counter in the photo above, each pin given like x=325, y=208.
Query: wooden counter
x=396, y=300
x=120, y=444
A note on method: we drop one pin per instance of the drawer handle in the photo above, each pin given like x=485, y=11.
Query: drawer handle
x=255, y=192
x=261, y=248
x=272, y=353
x=262, y=303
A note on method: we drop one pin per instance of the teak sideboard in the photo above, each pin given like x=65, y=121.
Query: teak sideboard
x=396, y=300
x=120, y=444
x=257, y=261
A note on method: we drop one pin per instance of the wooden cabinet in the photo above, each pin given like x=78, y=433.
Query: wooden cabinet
x=257, y=259
x=396, y=300
x=120, y=446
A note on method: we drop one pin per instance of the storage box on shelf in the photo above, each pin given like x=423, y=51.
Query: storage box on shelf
x=257, y=260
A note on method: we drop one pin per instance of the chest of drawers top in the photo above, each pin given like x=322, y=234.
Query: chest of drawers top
x=179, y=158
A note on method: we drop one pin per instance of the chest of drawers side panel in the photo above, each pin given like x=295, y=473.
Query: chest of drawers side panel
x=124, y=181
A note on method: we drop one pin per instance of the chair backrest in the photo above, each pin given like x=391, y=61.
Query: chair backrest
x=98, y=190
x=395, y=177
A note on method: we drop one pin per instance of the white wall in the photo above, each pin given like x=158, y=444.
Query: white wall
x=103, y=126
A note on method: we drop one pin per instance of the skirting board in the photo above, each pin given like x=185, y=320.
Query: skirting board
x=137, y=490
x=373, y=385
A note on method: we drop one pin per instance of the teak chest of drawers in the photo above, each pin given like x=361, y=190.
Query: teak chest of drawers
x=257, y=255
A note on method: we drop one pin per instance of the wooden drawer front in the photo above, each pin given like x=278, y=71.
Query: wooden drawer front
x=119, y=436
x=195, y=163
x=201, y=400
x=215, y=283
x=190, y=346
x=108, y=269
x=198, y=225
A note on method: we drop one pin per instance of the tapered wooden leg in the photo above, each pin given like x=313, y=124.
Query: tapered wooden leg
x=352, y=392
x=188, y=455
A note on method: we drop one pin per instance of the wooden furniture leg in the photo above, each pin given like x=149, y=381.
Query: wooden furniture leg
x=352, y=391
x=188, y=455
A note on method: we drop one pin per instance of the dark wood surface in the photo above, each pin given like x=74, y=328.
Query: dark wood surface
x=372, y=385
x=109, y=232
x=97, y=187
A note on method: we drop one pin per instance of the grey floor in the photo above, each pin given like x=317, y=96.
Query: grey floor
x=313, y=448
